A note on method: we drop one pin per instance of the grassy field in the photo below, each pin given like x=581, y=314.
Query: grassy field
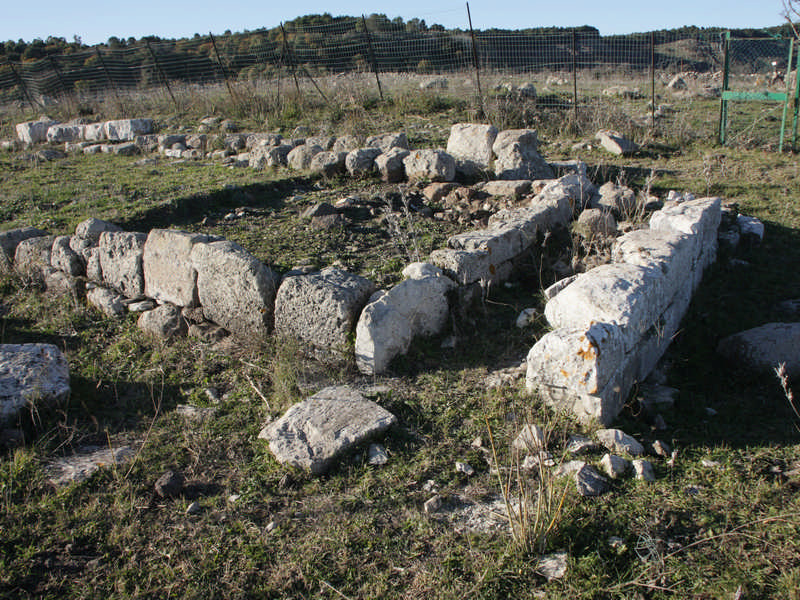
x=724, y=516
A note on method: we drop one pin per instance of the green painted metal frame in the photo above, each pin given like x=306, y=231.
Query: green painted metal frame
x=784, y=97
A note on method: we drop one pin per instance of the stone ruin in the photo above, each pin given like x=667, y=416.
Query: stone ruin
x=611, y=323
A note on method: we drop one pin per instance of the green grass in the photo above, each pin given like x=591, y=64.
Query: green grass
x=360, y=531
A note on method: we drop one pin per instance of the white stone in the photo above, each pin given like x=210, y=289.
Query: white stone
x=765, y=347
x=527, y=317
x=169, y=274
x=421, y=270
x=430, y=165
x=644, y=470
x=750, y=227
x=616, y=143
x=471, y=145
x=530, y=438
x=553, y=566
x=79, y=467
x=60, y=133
x=31, y=374
x=313, y=433
x=517, y=156
x=619, y=441
x=126, y=130
x=414, y=307
x=299, y=158
x=615, y=466
x=32, y=132
x=361, y=162
x=387, y=141
x=107, y=301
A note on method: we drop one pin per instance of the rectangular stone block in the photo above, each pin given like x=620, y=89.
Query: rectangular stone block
x=465, y=267
x=126, y=130
x=169, y=274
x=630, y=296
x=32, y=132
x=120, y=256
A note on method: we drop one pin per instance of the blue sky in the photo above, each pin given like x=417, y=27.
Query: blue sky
x=96, y=21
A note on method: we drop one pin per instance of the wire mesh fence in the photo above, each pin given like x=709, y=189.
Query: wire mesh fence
x=568, y=68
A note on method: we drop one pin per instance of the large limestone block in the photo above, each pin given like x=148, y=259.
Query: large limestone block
x=312, y=434
x=30, y=374
x=328, y=164
x=126, y=130
x=511, y=188
x=33, y=256
x=390, y=165
x=236, y=290
x=584, y=360
x=700, y=217
x=465, y=267
x=430, y=165
x=672, y=252
x=414, y=307
x=169, y=275
x=269, y=156
x=543, y=214
x=765, y=347
x=501, y=243
x=92, y=228
x=517, y=156
x=361, y=162
x=120, y=254
x=321, y=308
x=471, y=145
x=58, y=134
x=629, y=296
x=94, y=132
x=33, y=132
x=616, y=143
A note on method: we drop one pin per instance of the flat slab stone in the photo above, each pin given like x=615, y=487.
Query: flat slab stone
x=314, y=432
x=31, y=373
x=168, y=271
x=120, y=254
x=765, y=347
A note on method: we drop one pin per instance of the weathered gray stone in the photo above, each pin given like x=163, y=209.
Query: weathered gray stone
x=361, y=162
x=328, y=164
x=619, y=199
x=31, y=374
x=595, y=223
x=530, y=439
x=615, y=466
x=619, y=441
x=64, y=258
x=107, y=301
x=60, y=284
x=387, y=141
x=577, y=189
x=517, y=156
x=616, y=143
x=318, y=210
x=32, y=257
x=470, y=144
x=299, y=158
x=430, y=165
x=321, y=308
x=94, y=270
x=512, y=188
x=32, y=132
x=94, y=132
x=644, y=470
x=751, y=229
x=169, y=484
x=62, y=132
x=167, y=266
x=126, y=130
x=313, y=433
x=120, y=256
x=392, y=319
x=390, y=165
x=765, y=347
x=91, y=229
x=578, y=444
x=10, y=239
x=125, y=149
x=346, y=143
x=163, y=322
x=552, y=566
x=589, y=482
x=236, y=290
x=269, y=156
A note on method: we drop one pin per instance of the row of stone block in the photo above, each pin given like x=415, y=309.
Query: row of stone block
x=612, y=324
x=47, y=130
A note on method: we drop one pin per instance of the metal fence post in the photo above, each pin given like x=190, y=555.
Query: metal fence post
x=652, y=80
x=481, y=112
x=107, y=74
x=163, y=76
x=372, y=55
x=57, y=71
x=291, y=62
x=22, y=85
x=221, y=66
x=723, y=103
x=575, y=77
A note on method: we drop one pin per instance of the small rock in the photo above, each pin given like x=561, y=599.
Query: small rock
x=711, y=412
x=477, y=442
x=644, y=470
x=233, y=498
x=589, y=482
x=212, y=394
x=710, y=464
x=194, y=413
x=465, y=469
x=527, y=317
x=432, y=504
x=568, y=468
x=271, y=526
x=553, y=566
x=169, y=484
x=579, y=444
x=430, y=486
x=530, y=438
x=619, y=441
x=614, y=465
x=141, y=306
x=660, y=448
x=377, y=455
x=194, y=508
x=533, y=461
